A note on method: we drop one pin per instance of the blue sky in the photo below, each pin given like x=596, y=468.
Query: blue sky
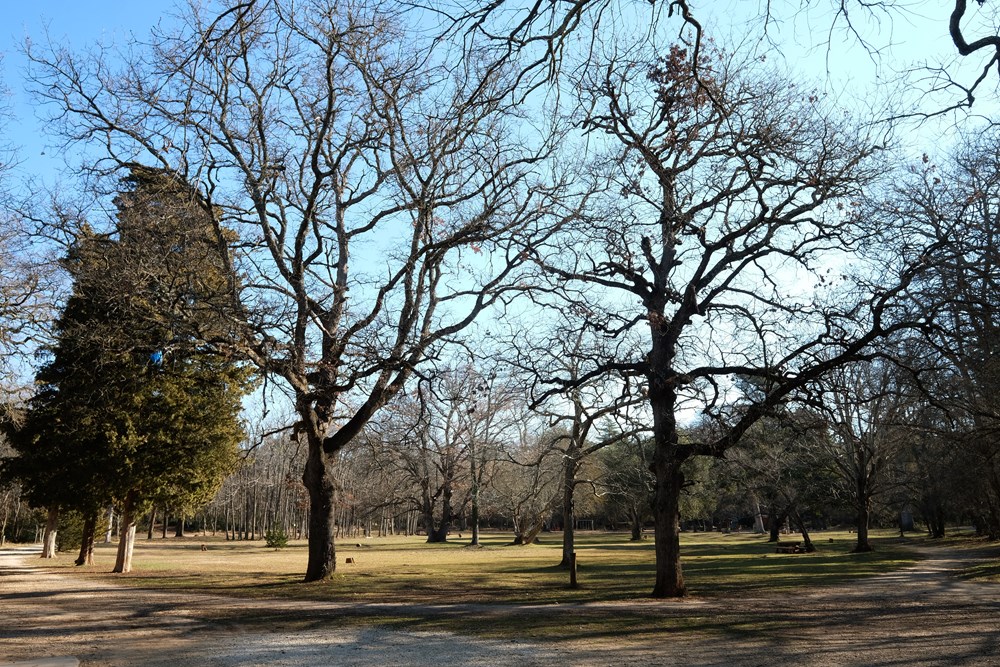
x=834, y=58
x=77, y=24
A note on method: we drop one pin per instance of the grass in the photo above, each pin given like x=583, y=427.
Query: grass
x=406, y=570
x=445, y=578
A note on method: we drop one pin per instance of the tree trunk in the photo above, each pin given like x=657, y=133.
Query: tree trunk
x=179, y=528
x=569, y=511
x=152, y=520
x=776, y=521
x=86, y=556
x=316, y=477
x=863, y=544
x=111, y=525
x=863, y=505
x=636, y=525
x=475, y=498
x=126, y=539
x=806, y=541
x=51, y=530
x=529, y=534
x=758, y=519
x=669, y=482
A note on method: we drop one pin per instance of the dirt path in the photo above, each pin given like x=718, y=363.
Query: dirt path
x=922, y=615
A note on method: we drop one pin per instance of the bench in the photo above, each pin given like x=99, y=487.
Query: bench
x=789, y=548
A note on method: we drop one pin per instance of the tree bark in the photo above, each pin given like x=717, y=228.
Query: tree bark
x=126, y=539
x=111, y=525
x=316, y=478
x=51, y=530
x=636, y=525
x=475, y=497
x=669, y=482
x=863, y=544
x=86, y=556
x=529, y=534
x=439, y=534
x=569, y=511
x=806, y=541
x=864, y=504
x=776, y=521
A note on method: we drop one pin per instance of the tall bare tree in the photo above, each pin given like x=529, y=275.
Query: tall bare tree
x=737, y=193
x=383, y=196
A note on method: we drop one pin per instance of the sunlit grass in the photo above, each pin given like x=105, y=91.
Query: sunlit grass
x=405, y=569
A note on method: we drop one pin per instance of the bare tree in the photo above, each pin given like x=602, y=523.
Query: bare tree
x=593, y=414
x=382, y=197
x=738, y=193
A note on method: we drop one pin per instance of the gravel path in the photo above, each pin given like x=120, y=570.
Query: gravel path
x=922, y=615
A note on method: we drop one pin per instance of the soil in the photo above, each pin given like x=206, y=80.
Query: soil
x=922, y=615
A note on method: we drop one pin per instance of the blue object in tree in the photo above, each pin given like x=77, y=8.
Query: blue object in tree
x=157, y=358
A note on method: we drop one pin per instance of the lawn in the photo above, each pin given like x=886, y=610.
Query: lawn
x=517, y=591
x=405, y=569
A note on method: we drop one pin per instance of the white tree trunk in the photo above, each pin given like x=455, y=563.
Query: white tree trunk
x=51, y=530
x=126, y=540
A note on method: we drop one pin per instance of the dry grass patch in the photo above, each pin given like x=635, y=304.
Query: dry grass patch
x=406, y=570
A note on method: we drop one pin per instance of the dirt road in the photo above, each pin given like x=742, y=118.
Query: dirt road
x=922, y=615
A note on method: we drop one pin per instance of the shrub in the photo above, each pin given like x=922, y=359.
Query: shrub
x=276, y=539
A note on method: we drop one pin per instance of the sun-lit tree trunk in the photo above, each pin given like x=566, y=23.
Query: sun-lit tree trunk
x=51, y=530
x=474, y=496
x=126, y=538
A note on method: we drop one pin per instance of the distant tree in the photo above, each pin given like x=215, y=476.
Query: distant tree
x=627, y=483
x=593, y=414
x=954, y=201
x=867, y=409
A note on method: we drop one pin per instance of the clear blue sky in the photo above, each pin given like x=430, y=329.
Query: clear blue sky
x=921, y=32
x=76, y=24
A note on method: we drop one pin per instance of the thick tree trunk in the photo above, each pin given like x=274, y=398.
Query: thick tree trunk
x=316, y=477
x=179, y=528
x=439, y=534
x=569, y=511
x=669, y=482
x=126, y=538
x=863, y=544
x=86, y=556
x=152, y=522
x=51, y=530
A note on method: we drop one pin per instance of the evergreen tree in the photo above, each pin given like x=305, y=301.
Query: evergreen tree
x=139, y=401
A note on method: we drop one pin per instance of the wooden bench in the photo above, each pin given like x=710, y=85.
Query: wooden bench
x=789, y=548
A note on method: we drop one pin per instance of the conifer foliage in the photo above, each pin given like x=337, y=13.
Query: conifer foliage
x=137, y=402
